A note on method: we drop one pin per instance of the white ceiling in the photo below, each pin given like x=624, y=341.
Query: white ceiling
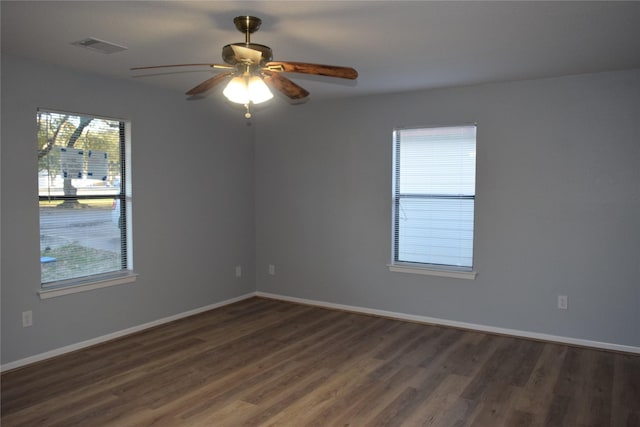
x=394, y=45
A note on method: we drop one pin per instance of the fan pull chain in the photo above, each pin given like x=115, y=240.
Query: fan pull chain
x=247, y=115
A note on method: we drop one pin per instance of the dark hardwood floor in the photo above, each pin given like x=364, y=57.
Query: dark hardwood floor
x=262, y=362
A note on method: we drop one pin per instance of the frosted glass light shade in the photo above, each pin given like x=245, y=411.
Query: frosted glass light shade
x=258, y=90
x=237, y=91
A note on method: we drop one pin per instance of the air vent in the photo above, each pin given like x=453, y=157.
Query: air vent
x=99, y=45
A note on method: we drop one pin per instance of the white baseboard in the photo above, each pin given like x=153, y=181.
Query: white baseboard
x=118, y=334
x=351, y=308
x=455, y=324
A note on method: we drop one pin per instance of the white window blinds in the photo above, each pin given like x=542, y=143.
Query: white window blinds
x=434, y=193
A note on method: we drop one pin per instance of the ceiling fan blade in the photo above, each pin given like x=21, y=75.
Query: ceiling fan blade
x=244, y=53
x=285, y=86
x=318, y=69
x=183, y=65
x=209, y=83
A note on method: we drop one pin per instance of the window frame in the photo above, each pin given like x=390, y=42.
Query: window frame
x=396, y=265
x=117, y=277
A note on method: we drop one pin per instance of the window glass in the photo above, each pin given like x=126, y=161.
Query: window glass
x=82, y=197
x=434, y=196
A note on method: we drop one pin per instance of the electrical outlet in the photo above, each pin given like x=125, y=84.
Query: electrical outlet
x=27, y=318
x=238, y=270
x=562, y=302
x=272, y=269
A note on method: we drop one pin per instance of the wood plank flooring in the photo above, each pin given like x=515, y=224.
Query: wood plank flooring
x=262, y=362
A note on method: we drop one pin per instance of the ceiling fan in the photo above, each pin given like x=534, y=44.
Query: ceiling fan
x=251, y=71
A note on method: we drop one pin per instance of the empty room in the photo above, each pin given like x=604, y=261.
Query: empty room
x=329, y=213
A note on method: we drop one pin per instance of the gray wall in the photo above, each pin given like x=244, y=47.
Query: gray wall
x=557, y=207
x=193, y=211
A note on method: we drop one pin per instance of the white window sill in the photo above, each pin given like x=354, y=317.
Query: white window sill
x=432, y=271
x=67, y=287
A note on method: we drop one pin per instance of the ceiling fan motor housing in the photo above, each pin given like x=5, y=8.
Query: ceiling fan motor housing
x=229, y=56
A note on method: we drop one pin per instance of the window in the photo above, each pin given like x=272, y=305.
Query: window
x=433, y=198
x=82, y=189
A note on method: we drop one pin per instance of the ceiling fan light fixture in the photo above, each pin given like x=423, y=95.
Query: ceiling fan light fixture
x=245, y=90
x=253, y=72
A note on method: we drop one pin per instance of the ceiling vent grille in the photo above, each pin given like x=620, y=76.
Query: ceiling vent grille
x=99, y=45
